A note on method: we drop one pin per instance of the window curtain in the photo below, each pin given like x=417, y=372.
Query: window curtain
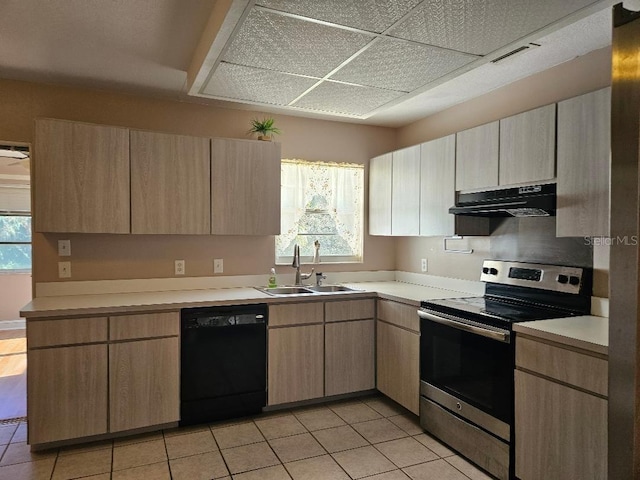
x=322, y=201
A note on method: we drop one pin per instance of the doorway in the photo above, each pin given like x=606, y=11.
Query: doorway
x=15, y=276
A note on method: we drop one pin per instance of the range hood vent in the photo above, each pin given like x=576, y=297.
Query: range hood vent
x=528, y=201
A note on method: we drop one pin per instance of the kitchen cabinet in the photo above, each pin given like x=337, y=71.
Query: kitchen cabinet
x=437, y=190
x=349, y=346
x=170, y=186
x=380, y=170
x=584, y=164
x=245, y=179
x=398, y=353
x=477, y=157
x=527, y=146
x=405, y=192
x=296, y=352
x=67, y=393
x=81, y=178
x=560, y=411
x=144, y=379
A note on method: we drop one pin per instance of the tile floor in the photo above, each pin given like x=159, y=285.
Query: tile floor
x=370, y=438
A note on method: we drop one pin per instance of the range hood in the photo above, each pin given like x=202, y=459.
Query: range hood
x=528, y=201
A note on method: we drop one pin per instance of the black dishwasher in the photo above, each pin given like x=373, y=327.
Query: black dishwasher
x=223, y=362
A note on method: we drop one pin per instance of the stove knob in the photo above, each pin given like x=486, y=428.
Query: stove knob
x=493, y=271
x=485, y=269
x=574, y=280
x=562, y=279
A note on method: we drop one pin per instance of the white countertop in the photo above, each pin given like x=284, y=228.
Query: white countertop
x=587, y=332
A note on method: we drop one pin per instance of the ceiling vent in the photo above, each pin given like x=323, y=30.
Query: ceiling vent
x=515, y=52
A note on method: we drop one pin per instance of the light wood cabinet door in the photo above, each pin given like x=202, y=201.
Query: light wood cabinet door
x=437, y=189
x=560, y=432
x=296, y=314
x=477, y=157
x=349, y=357
x=144, y=383
x=527, y=146
x=144, y=325
x=245, y=180
x=67, y=393
x=380, y=171
x=584, y=164
x=170, y=187
x=405, y=192
x=81, y=174
x=296, y=364
x=398, y=364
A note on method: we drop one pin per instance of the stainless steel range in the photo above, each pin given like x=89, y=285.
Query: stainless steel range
x=467, y=355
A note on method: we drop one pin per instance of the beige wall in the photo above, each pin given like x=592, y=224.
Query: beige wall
x=129, y=256
x=581, y=75
x=15, y=292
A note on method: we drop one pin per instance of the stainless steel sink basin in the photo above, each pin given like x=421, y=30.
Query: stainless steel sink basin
x=286, y=291
x=330, y=288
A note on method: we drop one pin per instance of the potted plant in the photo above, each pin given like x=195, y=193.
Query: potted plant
x=264, y=128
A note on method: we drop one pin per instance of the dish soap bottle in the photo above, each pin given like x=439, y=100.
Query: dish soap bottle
x=272, y=279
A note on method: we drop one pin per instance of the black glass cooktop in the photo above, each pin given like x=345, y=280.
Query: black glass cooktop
x=493, y=310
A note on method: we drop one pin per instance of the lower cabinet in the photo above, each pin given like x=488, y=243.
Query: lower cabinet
x=296, y=364
x=560, y=412
x=144, y=383
x=398, y=361
x=349, y=357
x=67, y=393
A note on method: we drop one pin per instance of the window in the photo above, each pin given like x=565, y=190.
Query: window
x=15, y=243
x=321, y=202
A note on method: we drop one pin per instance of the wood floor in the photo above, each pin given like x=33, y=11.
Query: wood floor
x=13, y=374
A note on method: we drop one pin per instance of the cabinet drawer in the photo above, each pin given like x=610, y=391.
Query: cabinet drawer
x=146, y=325
x=574, y=368
x=399, y=314
x=296, y=314
x=71, y=331
x=349, y=310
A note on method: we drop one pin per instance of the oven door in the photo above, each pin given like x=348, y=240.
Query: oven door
x=464, y=364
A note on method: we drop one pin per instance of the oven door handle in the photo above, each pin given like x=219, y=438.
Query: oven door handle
x=485, y=332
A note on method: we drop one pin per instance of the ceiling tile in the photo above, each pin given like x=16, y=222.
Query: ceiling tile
x=369, y=15
x=285, y=44
x=481, y=26
x=236, y=82
x=402, y=66
x=344, y=99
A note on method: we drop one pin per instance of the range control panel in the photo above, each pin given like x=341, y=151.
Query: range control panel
x=548, y=277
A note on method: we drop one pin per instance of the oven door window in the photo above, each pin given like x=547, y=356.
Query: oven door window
x=472, y=368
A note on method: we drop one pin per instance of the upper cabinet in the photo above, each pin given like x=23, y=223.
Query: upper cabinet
x=245, y=179
x=584, y=163
x=170, y=187
x=527, y=146
x=437, y=190
x=476, y=157
x=405, y=192
x=380, y=169
x=81, y=178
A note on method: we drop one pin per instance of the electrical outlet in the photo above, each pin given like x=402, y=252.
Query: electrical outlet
x=218, y=265
x=64, y=248
x=179, y=267
x=64, y=269
x=423, y=264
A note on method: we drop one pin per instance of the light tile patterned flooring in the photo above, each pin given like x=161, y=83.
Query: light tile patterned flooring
x=371, y=438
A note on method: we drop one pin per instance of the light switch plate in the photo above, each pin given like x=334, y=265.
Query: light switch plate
x=64, y=248
x=218, y=265
x=64, y=269
x=423, y=264
x=179, y=267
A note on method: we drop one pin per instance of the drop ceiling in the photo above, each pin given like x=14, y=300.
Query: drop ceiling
x=382, y=62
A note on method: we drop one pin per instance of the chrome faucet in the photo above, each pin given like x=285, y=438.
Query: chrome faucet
x=296, y=265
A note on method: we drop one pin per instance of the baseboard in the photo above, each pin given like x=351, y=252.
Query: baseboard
x=12, y=324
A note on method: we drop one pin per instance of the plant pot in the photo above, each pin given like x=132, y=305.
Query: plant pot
x=265, y=138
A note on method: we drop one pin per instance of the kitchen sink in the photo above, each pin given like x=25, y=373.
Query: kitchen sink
x=286, y=290
x=330, y=288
